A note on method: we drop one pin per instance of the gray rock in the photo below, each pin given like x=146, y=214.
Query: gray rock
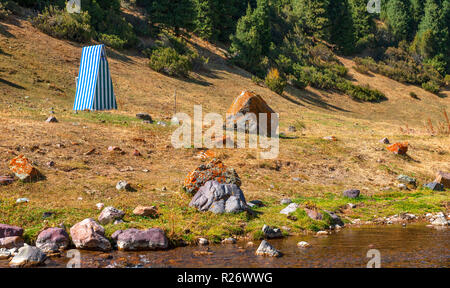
x=265, y=249
x=51, y=119
x=203, y=241
x=53, y=240
x=109, y=215
x=270, y=232
x=335, y=219
x=11, y=242
x=352, y=193
x=291, y=208
x=440, y=221
x=28, y=256
x=434, y=186
x=4, y=254
x=123, y=185
x=384, y=141
x=406, y=180
x=229, y=240
x=9, y=230
x=217, y=207
x=292, y=129
x=89, y=235
x=140, y=240
x=219, y=198
x=285, y=201
x=144, y=116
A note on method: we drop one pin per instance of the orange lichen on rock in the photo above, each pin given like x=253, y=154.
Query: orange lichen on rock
x=214, y=170
x=249, y=102
x=23, y=168
x=204, y=155
x=398, y=148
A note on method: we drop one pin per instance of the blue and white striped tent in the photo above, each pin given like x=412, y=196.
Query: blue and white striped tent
x=94, y=85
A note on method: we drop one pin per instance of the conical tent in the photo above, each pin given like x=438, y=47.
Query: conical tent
x=94, y=85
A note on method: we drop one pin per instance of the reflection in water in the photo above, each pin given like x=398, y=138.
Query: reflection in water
x=414, y=246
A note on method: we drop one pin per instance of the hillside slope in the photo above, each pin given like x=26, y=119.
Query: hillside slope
x=38, y=73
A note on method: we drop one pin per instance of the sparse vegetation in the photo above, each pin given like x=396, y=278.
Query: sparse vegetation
x=60, y=24
x=275, y=81
x=167, y=60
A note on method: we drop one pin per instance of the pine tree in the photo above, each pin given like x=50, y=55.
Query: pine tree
x=204, y=26
x=312, y=16
x=174, y=14
x=363, y=23
x=417, y=11
x=398, y=14
x=341, y=26
x=252, y=38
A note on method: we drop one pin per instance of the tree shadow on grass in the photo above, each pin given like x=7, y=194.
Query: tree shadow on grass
x=11, y=84
x=304, y=96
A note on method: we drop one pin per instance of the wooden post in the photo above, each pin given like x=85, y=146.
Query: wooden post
x=175, y=106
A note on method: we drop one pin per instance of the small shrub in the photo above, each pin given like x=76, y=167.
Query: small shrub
x=60, y=24
x=361, y=69
x=167, y=60
x=447, y=80
x=413, y=95
x=275, y=81
x=112, y=41
x=257, y=80
x=431, y=86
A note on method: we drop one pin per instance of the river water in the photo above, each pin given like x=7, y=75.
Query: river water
x=413, y=246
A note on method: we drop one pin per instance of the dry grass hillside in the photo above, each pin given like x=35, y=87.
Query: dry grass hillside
x=38, y=73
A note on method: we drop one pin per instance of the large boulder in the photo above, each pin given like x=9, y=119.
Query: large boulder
x=28, y=256
x=24, y=169
x=8, y=231
x=219, y=198
x=138, y=240
x=89, y=235
x=249, y=102
x=214, y=170
x=109, y=215
x=443, y=178
x=53, y=240
x=11, y=242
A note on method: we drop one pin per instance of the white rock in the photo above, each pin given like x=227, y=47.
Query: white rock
x=322, y=233
x=99, y=206
x=440, y=221
x=203, y=241
x=290, y=209
x=265, y=249
x=303, y=244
